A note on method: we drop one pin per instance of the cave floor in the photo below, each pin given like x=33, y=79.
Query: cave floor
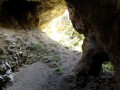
x=41, y=75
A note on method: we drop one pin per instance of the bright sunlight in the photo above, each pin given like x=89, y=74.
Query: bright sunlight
x=61, y=30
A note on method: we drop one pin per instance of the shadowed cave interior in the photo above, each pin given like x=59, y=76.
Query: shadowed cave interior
x=28, y=14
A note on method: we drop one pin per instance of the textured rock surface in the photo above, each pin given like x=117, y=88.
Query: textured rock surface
x=99, y=21
x=29, y=13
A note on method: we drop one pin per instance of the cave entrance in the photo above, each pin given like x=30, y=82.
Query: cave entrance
x=61, y=30
x=30, y=13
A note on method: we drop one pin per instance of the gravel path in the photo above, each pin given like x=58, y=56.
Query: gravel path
x=33, y=77
x=39, y=76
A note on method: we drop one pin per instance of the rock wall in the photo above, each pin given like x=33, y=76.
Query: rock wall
x=29, y=13
x=99, y=21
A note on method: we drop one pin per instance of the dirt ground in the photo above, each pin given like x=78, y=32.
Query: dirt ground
x=49, y=67
x=40, y=75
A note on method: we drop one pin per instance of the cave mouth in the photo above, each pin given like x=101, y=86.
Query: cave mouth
x=52, y=18
x=62, y=31
x=23, y=13
x=26, y=13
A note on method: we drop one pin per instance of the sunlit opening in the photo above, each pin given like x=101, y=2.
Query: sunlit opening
x=61, y=30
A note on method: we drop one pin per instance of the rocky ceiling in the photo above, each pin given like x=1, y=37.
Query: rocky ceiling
x=29, y=13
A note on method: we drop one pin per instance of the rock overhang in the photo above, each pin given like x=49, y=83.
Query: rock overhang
x=30, y=13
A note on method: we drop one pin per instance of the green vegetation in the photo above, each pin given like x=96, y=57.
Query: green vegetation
x=107, y=67
x=37, y=46
x=55, y=57
x=59, y=69
x=34, y=46
x=72, y=38
x=41, y=51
